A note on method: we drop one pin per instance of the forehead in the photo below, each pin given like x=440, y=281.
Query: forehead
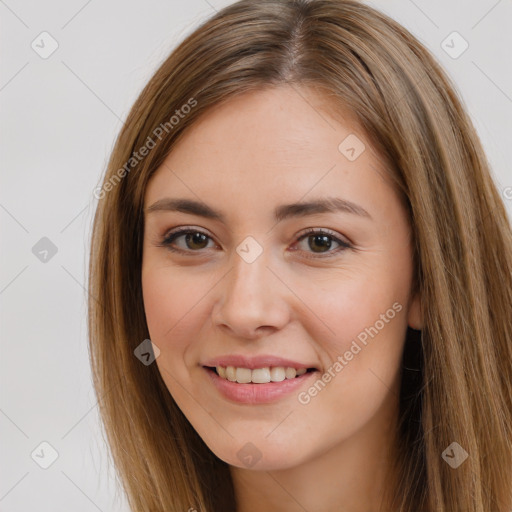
x=268, y=145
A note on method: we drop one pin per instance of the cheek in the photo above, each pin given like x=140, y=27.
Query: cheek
x=160, y=302
x=169, y=308
x=361, y=328
x=175, y=304
x=361, y=376
x=342, y=310
x=169, y=301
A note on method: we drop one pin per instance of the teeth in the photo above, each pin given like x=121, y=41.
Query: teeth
x=231, y=373
x=277, y=374
x=290, y=373
x=243, y=375
x=259, y=375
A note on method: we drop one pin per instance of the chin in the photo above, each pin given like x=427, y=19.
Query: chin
x=259, y=455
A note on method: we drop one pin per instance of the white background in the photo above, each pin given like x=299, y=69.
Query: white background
x=59, y=119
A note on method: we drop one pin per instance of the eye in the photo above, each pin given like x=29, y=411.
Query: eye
x=193, y=239
x=319, y=241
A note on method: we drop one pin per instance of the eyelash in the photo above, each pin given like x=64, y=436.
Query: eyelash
x=173, y=235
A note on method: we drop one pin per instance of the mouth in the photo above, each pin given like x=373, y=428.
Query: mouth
x=264, y=375
x=258, y=386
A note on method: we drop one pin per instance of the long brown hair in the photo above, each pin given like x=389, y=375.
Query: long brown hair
x=461, y=389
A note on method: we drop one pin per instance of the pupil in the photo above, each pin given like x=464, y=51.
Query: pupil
x=324, y=241
x=195, y=238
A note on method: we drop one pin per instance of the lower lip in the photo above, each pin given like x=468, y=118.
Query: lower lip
x=257, y=393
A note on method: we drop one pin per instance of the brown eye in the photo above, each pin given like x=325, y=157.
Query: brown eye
x=194, y=240
x=321, y=242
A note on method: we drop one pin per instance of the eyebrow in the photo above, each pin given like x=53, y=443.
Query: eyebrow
x=282, y=212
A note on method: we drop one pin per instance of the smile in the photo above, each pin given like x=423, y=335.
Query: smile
x=257, y=386
x=259, y=375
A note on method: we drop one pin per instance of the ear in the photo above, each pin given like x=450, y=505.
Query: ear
x=414, y=315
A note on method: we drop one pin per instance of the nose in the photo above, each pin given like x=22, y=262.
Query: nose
x=252, y=300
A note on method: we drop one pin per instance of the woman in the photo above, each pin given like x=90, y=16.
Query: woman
x=285, y=372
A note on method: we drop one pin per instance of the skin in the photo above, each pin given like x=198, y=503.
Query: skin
x=244, y=158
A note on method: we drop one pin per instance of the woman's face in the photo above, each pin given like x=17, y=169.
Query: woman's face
x=255, y=291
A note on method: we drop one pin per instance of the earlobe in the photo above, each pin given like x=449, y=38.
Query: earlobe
x=415, y=317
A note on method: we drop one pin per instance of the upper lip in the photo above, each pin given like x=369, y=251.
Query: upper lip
x=253, y=362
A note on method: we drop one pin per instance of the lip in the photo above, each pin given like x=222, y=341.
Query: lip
x=253, y=362
x=257, y=393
